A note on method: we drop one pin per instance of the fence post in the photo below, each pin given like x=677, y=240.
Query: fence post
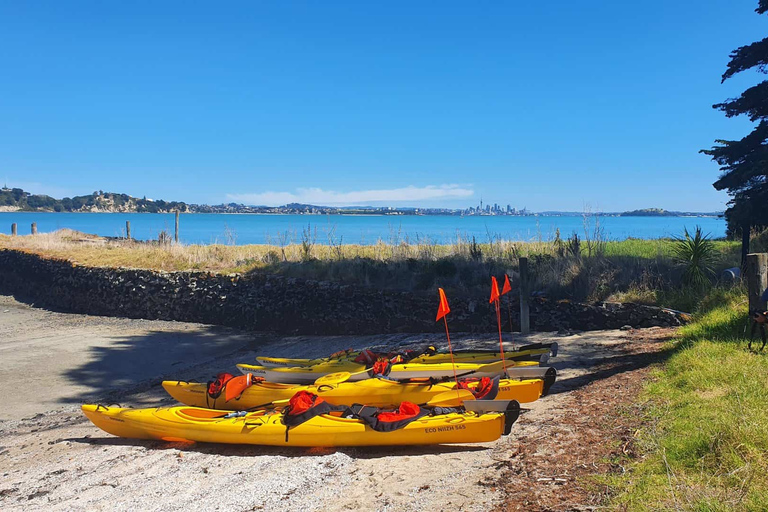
x=128, y=229
x=13, y=229
x=176, y=233
x=34, y=228
x=757, y=279
x=525, y=319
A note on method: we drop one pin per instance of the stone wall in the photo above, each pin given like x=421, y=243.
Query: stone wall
x=286, y=305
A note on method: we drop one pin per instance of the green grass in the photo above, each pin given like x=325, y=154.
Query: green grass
x=664, y=248
x=704, y=445
x=638, y=248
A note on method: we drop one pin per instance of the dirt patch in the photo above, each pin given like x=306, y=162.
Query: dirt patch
x=554, y=467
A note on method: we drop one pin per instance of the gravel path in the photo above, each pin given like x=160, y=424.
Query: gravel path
x=53, y=458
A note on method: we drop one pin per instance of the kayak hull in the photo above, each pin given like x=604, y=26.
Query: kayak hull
x=533, y=352
x=375, y=392
x=406, y=371
x=184, y=423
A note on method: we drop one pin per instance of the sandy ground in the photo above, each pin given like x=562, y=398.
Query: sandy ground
x=53, y=458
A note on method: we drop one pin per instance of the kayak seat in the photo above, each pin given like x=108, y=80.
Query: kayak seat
x=387, y=420
x=486, y=389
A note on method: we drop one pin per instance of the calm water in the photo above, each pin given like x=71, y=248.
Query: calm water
x=201, y=228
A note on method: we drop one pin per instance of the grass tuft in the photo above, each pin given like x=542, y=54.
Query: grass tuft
x=705, y=444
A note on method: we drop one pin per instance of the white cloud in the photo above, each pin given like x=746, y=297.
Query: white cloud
x=322, y=197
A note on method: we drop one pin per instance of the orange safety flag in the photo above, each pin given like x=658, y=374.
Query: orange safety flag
x=507, y=287
x=494, y=290
x=443, y=308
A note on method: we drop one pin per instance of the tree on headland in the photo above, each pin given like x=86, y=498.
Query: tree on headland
x=99, y=200
x=744, y=163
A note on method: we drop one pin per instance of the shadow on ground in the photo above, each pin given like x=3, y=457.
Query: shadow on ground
x=129, y=369
x=373, y=452
x=608, y=367
x=131, y=364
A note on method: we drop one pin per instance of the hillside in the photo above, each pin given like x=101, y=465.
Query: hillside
x=660, y=212
x=16, y=199
x=649, y=212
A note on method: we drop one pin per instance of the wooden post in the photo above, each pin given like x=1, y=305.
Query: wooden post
x=34, y=228
x=746, y=229
x=176, y=234
x=128, y=229
x=13, y=229
x=525, y=319
x=757, y=280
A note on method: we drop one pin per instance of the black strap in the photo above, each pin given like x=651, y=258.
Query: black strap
x=370, y=415
x=297, y=419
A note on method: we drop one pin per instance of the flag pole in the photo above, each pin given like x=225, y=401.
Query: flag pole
x=496, y=300
x=442, y=311
x=501, y=341
x=450, y=350
x=506, y=289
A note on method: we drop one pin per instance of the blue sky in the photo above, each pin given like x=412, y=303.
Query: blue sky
x=549, y=105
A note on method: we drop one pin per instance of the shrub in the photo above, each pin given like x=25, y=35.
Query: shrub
x=475, y=252
x=697, y=254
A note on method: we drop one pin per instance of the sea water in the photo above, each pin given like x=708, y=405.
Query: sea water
x=216, y=228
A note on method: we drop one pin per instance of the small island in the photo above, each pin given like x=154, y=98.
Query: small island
x=661, y=212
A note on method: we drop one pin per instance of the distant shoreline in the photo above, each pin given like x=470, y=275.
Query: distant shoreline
x=7, y=209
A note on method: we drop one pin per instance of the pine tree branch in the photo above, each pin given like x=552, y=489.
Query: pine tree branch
x=752, y=102
x=747, y=57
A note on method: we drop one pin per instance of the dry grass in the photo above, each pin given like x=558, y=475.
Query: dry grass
x=630, y=270
x=92, y=250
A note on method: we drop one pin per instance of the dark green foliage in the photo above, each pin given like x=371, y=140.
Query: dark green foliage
x=26, y=201
x=753, y=103
x=747, y=57
x=13, y=197
x=649, y=212
x=573, y=246
x=445, y=267
x=308, y=238
x=558, y=244
x=744, y=163
x=41, y=202
x=475, y=252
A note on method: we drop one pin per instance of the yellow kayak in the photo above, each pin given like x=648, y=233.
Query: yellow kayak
x=400, y=371
x=268, y=428
x=532, y=352
x=376, y=392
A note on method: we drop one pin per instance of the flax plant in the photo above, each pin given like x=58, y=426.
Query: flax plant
x=697, y=254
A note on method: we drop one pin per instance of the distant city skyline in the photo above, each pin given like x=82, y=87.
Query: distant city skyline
x=16, y=199
x=553, y=106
